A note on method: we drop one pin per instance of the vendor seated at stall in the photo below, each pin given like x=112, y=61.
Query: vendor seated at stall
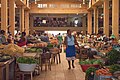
x=22, y=42
x=2, y=37
x=44, y=38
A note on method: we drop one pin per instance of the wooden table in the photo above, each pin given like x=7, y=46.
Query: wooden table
x=30, y=54
x=34, y=55
x=6, y=66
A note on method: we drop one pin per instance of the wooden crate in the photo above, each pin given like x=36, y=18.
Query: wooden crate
x=7, y=70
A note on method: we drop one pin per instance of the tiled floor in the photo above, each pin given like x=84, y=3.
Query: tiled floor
x=61, y=72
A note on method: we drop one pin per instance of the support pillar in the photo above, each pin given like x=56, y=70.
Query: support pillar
x=27, y=22
x=95, y=20
x=4, y=15
x=22, y=19
x=12, y=16
x=89, y=28
x=106, y=17
x=93, y=1
x=83, y=21
x=31, y=24
x=115, y=18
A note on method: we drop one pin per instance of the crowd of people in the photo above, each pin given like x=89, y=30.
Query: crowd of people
x=55, y=22
x=96, y=42
x=21, y=39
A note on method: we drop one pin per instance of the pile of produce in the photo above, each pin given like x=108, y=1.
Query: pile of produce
x=27, y=60
x=114, y=68
x=13, y=49
x=93, y=61
x=41, y=44
x=30, y=45
x=50, y=46
x=4, y=57
x=33, y=50
x=104, y=72
x=90, y=70
x=54, y=41
x=113, y=57
x=2, y=46
x=90, y=73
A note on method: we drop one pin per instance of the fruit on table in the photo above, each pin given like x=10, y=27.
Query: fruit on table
x=33, y=49
x=104, y=72
x=41, y=44
x=4, y=57
x=30, y=45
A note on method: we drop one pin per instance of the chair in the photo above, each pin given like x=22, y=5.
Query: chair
x=45, y=59
x=55, y=53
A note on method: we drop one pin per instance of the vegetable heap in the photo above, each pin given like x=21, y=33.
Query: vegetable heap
x=113, y=56
x=33, y=50
x=27, y=60
x=114, y=68
x=104, y=72
x=90, y=70
x=4, y=57
x=93, y=61
x=50, y=45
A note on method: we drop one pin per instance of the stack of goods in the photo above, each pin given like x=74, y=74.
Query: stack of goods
x=90, y=63
x=4, y=57
x=50, y=46
x=33, y=50
x=1, y=47
x=40, y=44
x=54, y=41
x=113, y=57
x=103, y=72
x=90, y=72
x=115, y=70
x=13, y=49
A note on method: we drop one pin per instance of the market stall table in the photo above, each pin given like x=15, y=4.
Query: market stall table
x=7, y=70
x=34, y=55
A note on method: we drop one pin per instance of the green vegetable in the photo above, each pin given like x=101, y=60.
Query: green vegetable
x=33, y=50
x=27, y=60
x=114, y=68
x=113, y=56
x=94, y=61
x=50, y=46
x=90, y=70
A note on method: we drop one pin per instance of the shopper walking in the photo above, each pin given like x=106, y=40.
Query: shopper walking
x=70, y=42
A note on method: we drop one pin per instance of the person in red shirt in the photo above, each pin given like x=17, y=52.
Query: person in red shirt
x=23, y=40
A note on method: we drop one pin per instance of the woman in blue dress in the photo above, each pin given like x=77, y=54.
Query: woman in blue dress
x=70, y=42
